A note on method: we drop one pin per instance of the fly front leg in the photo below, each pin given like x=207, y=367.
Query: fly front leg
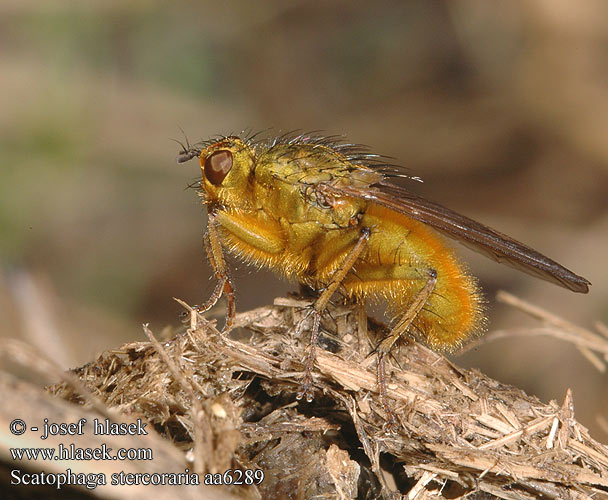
x=248, y=236
x=320, y=305
x=223, y=285
x=396, y=333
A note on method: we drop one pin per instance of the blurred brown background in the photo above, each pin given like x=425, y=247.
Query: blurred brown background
x=502, y=108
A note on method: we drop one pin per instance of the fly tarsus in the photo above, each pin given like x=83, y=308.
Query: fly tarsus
x=306, y=390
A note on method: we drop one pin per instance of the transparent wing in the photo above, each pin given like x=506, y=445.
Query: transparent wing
x=479, y=237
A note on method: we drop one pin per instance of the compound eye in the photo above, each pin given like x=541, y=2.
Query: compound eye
x=217, y=166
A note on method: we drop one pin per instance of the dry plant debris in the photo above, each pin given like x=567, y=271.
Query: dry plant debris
x=229, y=402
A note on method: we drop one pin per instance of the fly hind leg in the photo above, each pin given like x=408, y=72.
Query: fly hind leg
x=396, y=333
x=320, y=305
